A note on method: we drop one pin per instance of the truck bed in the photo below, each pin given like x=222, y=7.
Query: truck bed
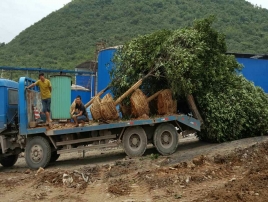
x=31, y=98
x=184, y=119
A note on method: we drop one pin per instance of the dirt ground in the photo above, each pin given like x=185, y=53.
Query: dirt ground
x=198, y=171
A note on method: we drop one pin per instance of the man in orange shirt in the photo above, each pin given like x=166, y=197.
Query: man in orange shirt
x=45, y=89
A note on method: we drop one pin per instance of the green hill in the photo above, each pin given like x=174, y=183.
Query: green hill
x=67, y=37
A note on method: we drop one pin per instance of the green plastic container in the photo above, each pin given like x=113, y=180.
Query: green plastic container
x=60, y=96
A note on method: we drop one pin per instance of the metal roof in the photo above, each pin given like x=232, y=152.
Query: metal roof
x=249, y=55
x=8, y=83
x=46, y=70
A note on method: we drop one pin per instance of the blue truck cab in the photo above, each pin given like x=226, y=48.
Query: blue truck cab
x=43, y=144
x=9, y=148
x=9, y=103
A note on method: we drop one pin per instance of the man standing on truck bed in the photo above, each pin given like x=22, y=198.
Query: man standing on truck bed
x=45, y=89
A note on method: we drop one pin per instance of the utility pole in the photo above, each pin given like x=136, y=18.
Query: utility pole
x=99, y=46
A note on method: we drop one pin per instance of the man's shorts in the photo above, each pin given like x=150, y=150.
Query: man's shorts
x=46, y=105
x=81, y=118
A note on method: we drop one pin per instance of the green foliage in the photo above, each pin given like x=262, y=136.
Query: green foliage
x=193, y=61
x=237, y=111
x=68, y=36
x=137, y=58
x=178, y=57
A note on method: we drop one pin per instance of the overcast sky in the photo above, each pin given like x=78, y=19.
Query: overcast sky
x=17, y=15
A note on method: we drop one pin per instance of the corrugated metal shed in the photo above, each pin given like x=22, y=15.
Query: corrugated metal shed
x=255, y=68
x=87, y=81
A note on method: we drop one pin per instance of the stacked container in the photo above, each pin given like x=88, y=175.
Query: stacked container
x=60, y=96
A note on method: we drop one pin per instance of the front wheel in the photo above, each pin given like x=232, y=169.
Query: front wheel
x=37, y=152
x=9, y=161
x=166, y=139
x=134, y=141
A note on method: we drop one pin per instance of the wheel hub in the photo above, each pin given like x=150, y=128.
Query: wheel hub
x=166, y=138
x=36, y=153
x=134, y=141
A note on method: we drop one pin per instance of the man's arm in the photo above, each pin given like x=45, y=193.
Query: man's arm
x=72, y=108
x=82, y=109
x=80, y=113
x=32, y=85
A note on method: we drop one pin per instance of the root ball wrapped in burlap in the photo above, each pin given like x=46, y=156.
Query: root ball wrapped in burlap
x=95, y=109
x=108, y=108
x=165, y=104
x=139, y=104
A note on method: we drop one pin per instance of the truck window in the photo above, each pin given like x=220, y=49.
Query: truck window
x=12, y=97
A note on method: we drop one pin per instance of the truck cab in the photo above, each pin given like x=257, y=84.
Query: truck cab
x=8, y=104
x=8, y=122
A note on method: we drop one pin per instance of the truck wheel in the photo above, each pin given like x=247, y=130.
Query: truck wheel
x=54, y=157
x=134, y=141
x=9, y=161
x=37, y=152
x=166, y=139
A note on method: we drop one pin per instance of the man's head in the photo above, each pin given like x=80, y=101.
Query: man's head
x=78, y=99
x=42, y=76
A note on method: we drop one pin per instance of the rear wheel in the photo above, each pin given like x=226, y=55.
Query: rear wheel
x=166, y=139
x=9, y=161
x=134, y=141
x=37, y=152
x=54, y=157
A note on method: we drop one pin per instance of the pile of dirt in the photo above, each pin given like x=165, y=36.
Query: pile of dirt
x=252, y=184
x=240, y=175
x=50, y=177
x=13, y=179
x=119, y=187
x=78, y=179
x=121, y=168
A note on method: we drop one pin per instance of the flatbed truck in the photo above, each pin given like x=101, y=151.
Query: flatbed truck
x=43, y=145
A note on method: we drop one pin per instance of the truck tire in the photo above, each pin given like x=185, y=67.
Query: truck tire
x=37, y=152
x=54, y=157
x=134, y=141
x=9, y=161
x=166, y=139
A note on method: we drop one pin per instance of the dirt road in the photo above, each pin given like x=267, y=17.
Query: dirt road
x=233, y=171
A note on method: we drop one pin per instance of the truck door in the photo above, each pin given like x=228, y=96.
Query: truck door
x=12, y=104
